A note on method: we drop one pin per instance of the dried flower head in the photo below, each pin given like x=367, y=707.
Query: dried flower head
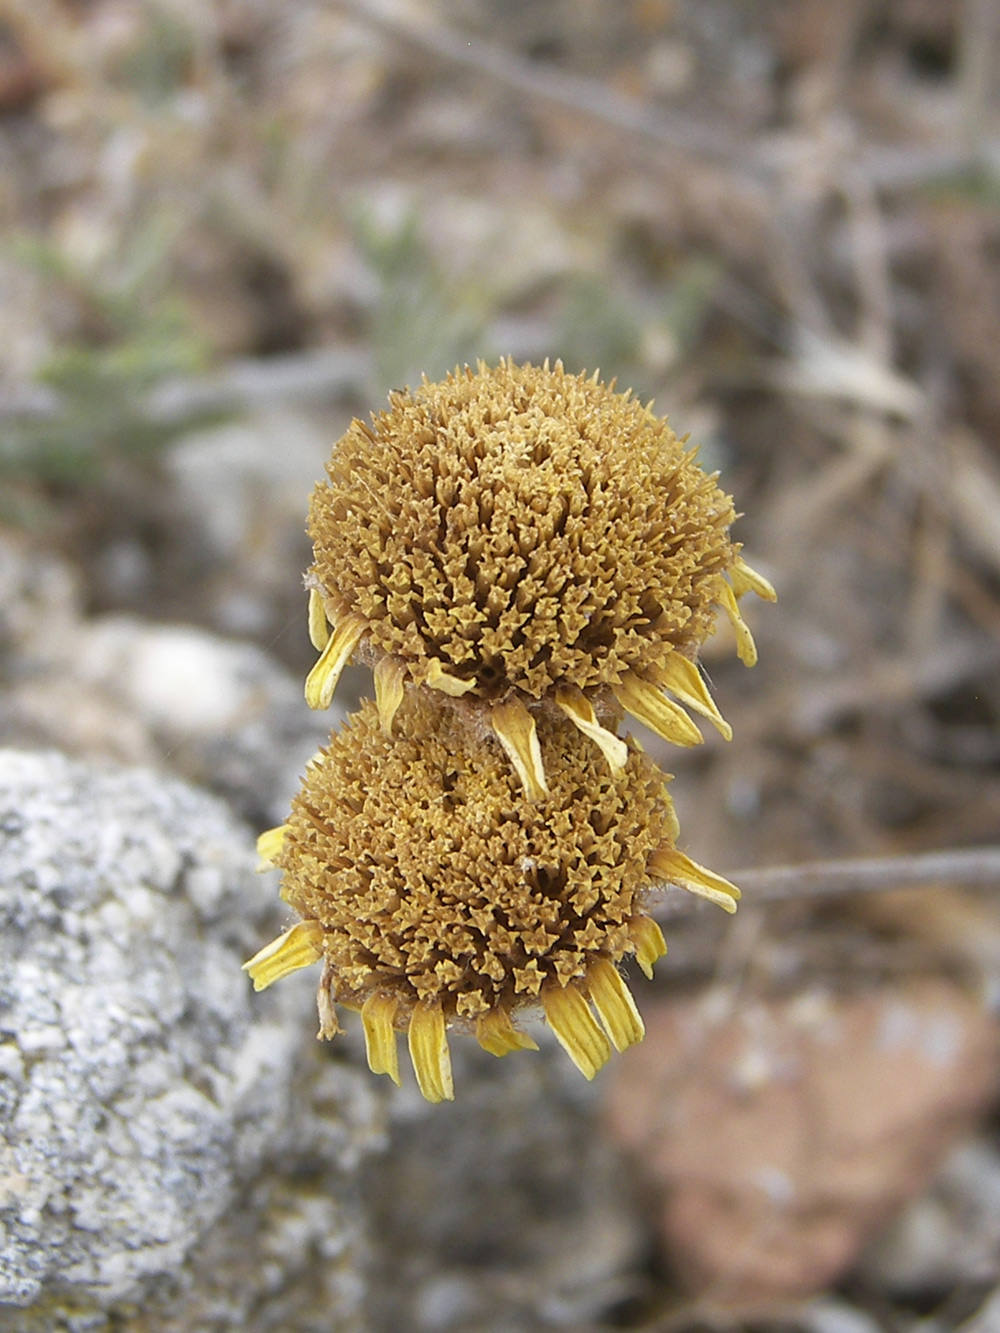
x=440, y=896
x=519, y=533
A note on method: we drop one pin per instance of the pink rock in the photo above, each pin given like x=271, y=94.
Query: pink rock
x=780, y=1135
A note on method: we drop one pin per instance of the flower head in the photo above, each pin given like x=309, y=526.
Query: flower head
x=440, y=896
x=517, y=534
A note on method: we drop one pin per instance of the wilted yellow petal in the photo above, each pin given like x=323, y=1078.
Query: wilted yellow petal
x=390, y=675
x=498, y=1035
x=649, y=705
x=744, y=579
x=319, y=626
x=429, y=1052
x=269, y=844
x=377, y=1015
x=298, y=947
x=576, y=1028
x=439, y=679
x=578, y=708
x=615, y=1006
x=322, y=680
x=683, y=679
x=649, y=943
x=746, y=649
x=667, y=863
x=515, y=729
x=673, y=823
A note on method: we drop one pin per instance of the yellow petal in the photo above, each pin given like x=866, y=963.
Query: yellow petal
x=299, y=947
x=269, y=845
x=650, y=706
x=673, y=823
x=578, y=708
x=439, y=679
x=649, y=943
x=429, y=1052
x=322, y=680
x=744, y=579
x=614, y=1004
x=390, y=675
x=319, y=626
x=498, y=1035
x=667, y=863
x=683, y=679
x=516, y=732
x=377, y=1016
x=746, y=649
x=576, y=1028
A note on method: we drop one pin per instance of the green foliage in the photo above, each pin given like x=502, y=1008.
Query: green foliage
x=127, y=336
x=426, y=320
x=160, y=61
x=599, y=328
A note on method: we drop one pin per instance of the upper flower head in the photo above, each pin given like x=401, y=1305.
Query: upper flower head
x=515, y=531
x=439, y=895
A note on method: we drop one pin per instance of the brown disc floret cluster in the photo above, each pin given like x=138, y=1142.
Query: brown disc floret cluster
x=522, y=555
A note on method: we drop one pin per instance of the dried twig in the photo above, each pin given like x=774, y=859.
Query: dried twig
x=585, y=96
x=819, y=879
x=754, y=166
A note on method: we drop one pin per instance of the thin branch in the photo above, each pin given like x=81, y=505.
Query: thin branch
x=753, y=165
x=585, y=96
x=820, y=879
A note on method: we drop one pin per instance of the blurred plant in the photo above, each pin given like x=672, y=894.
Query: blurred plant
x=599, y=327
x=425, y=320
x=125, y=335
x=160, y=60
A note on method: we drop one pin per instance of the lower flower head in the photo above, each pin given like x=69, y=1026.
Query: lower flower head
x=439, y=896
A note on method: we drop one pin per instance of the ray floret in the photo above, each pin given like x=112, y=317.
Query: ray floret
x=299, y=947
x=439, y=679
x=650, y=946
x=498, y=1035
x=390, y=678
x=649, y=705
x=683, y=679
x=378, y=1015
x=319, y=626
x=673, y=867
x=746, y=649
x=322, y=679
x=615, y=1006
x=429, y=1052
x=580, y=711
x=269, y=846
x=576, y=1029
x=744, y=579
x=516, y=731
x=673, y=823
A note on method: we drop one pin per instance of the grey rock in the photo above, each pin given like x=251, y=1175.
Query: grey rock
x=177, y=1153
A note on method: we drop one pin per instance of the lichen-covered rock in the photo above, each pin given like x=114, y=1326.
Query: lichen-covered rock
x=155, y=1117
